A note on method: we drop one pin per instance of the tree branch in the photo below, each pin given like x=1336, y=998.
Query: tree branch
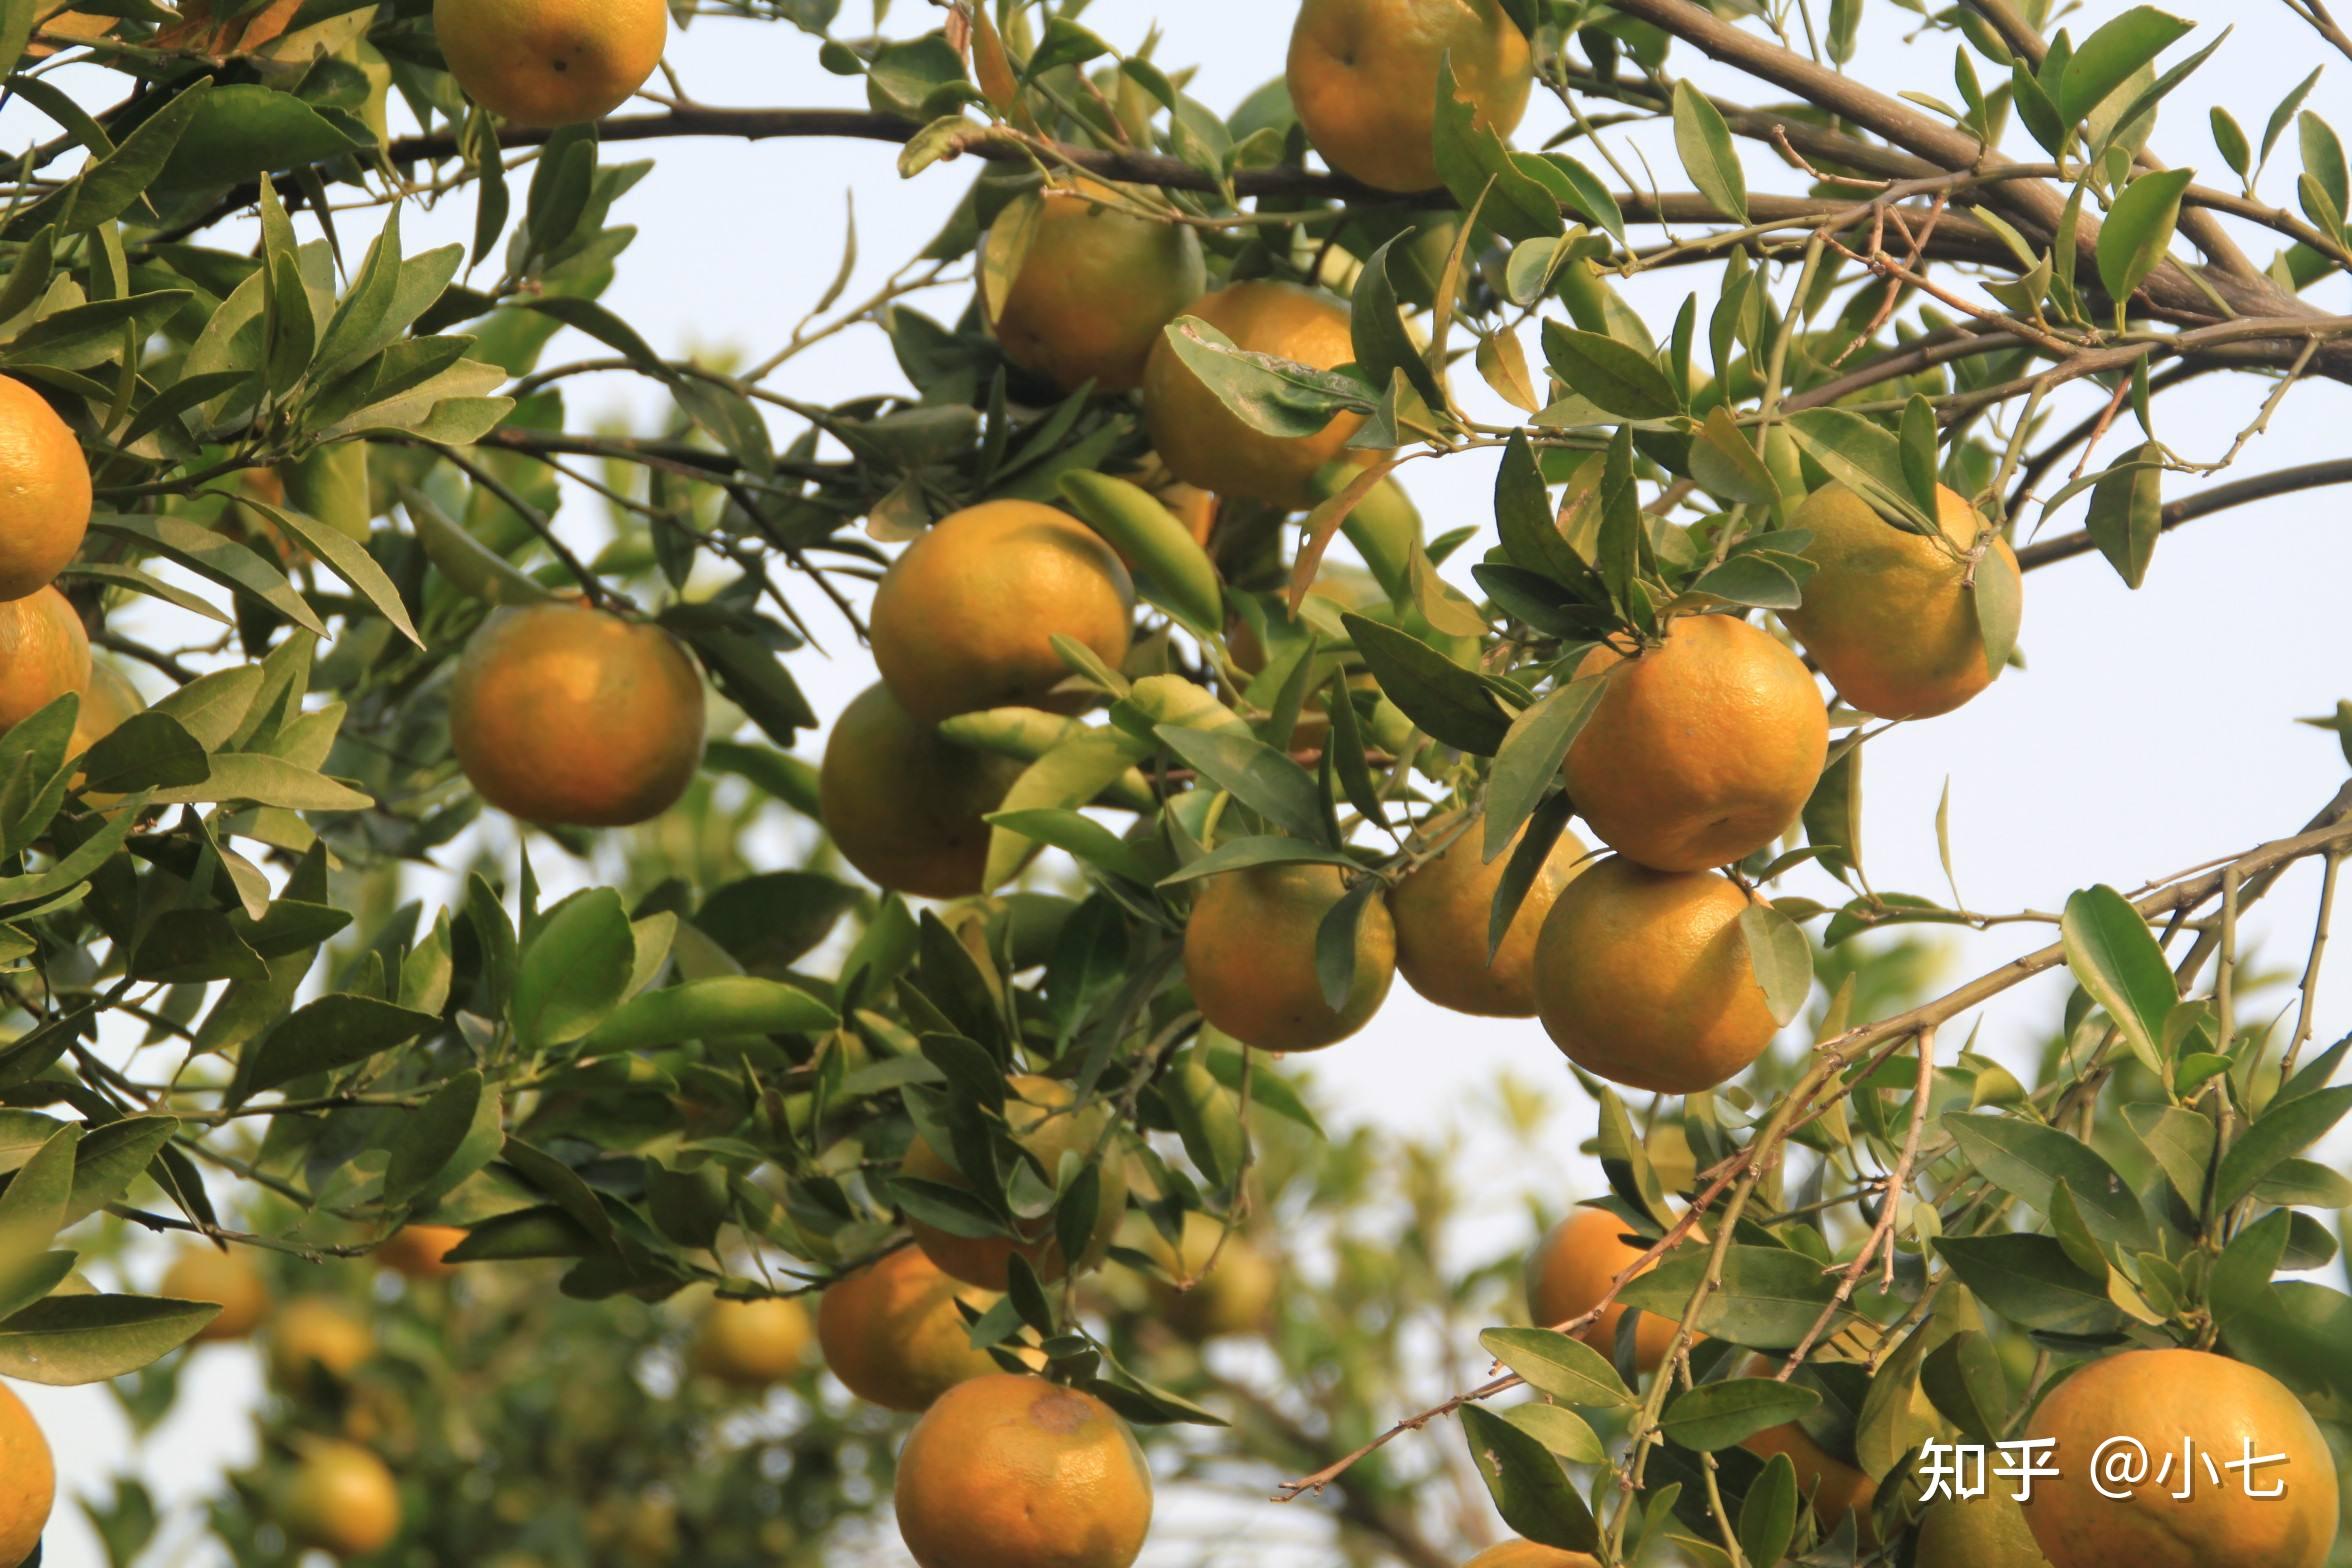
x=2218, y=498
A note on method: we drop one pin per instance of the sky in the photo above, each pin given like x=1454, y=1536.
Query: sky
x=2149, y=731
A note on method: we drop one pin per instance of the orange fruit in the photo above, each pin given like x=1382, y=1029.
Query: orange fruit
x=892, y=1334
x=341, y=1500
x=966, y=616
x=904, y=804
x=1979, y=1532
x=1037, y=1111
x=28, y=1479
x=314, y=1335
x=566, y=715
x=1701, y=750
x=1249, y=956
x=1441, y=910
x=1008, y=1471
x=1643, y=977
x=44, y=492
x=551, y=62
x=1363, y=75
x=1205, y=444
x=44, y=653
x=1235, y=1295
x=1886, y=615
x=751, y=1344
x=421, y=1251
x=1526, y=1554
x=2167, y=1400
x=228, y=1279
x=1092, y=285
x=1572, y=1267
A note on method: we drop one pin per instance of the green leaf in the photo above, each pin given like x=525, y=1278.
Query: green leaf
x=1261, y=778
x=1768, y=1514
x=1704, y=141
x=1481, y=172
x=1781, y=957
x=1526, y=864
x=2127, y=513
x=1769, y=1298
x=1383, y=348
x=348, y=559
x=427, y=1148
x=332, y=1032
x=1717, y=1415
x=1998, y=595
x=1239, y=854
x=2279, y=1133
x=2284, y=115
x=1561, y=1431
x=1610, y=375
x=32, y=1207
x=1724, y=462
x=1530, y=1490
x=1560, y=1365
x=714, y=1007
x=66, y=1341
x=2032, y=1282
x=1335, y=942
x=2114, y=958
x=2112, y=54
x=1528, y=762
x=241, y=131
x=1863, y=456
x=1965, y=1380
x=1265, y=391
x=265, y=781
x=113, y=1156
x=1446, y=701
x=575, y=969
x=2028, y=1160
x=2139, y=229
x=1171, y=568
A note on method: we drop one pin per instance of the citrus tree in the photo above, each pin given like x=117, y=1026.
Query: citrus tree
x=1153, y=789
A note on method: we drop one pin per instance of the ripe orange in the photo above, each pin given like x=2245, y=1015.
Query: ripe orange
x=1571, y=1269
x=1205, y=444
x=893, y=1336
x=28, y=1480
x=44, y=653
x=313, y=1335
x=1363, y=75
x=1526, y=1554
x=202, y=1273
x=2166, y=1399
x=1702, y=749
x=551, y=62
x=1235, y=1296
x=1249, y=956
x=1981, y=1532
x=341, y=1500
x=966, y=616
x=421, y=1251
x=903, y=804
x=567, y=715
x=1643, y=977
x=1036, y=1110
x=1441, y=911
x=1008, y=1471
x=44, y=492
x=1886, y=615
x=1092, y=286
x=751, y=1344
